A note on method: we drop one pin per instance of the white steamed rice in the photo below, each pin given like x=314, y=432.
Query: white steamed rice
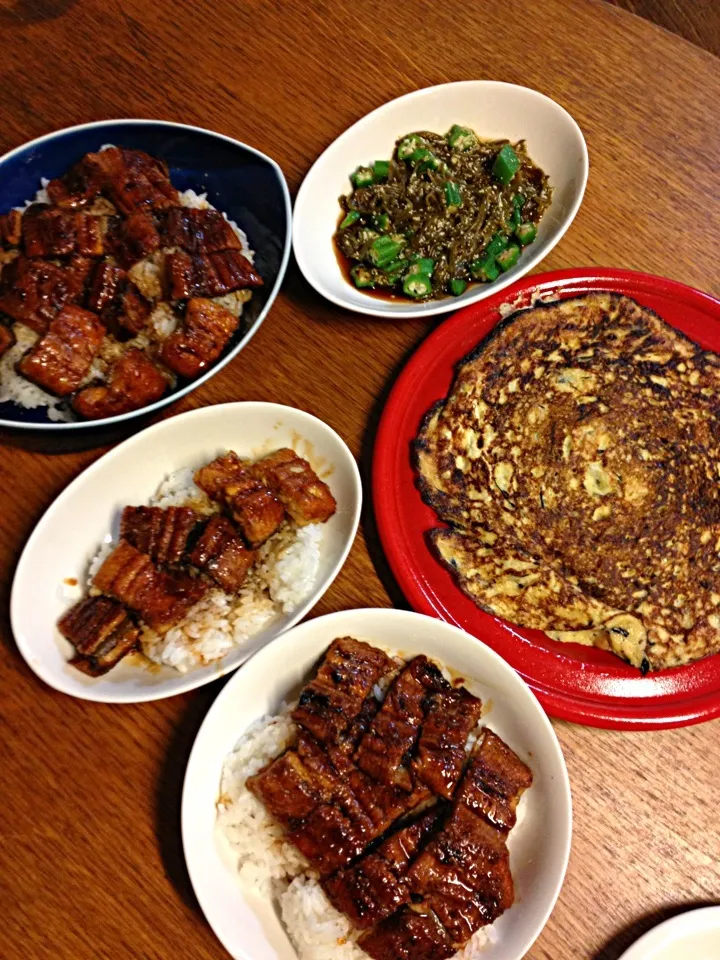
x=283, y=576
x=147, y=276
x=253, y=844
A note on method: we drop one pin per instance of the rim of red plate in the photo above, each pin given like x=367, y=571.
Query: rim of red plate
x=575, y=683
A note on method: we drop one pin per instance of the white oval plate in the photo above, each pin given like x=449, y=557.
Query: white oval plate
x=494, y=110
x=694, y=935
x=539, y=846
x=71, y=531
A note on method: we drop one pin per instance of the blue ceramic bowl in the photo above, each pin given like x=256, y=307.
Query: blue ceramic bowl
x=239, y=180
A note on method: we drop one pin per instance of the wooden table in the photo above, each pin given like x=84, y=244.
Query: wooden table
x=90, y=857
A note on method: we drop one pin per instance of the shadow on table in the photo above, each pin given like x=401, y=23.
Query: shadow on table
x=623, y=940
x=169, y=790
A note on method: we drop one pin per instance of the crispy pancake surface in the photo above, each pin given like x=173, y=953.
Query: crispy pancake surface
x=576, y=461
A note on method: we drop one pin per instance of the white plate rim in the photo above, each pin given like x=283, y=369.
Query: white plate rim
x=450, y=304
x=663, y=934
x=190, y=681
x=152, y=408
x=229, y=690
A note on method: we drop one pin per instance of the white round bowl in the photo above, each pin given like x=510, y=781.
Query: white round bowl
x=87, y=511
x=495, y=111
x=246, y=924
x=694, y=935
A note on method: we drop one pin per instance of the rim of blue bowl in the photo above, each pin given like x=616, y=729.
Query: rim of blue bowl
x=249, y=334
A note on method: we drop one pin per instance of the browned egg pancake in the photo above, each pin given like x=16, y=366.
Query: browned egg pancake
x=576, y=461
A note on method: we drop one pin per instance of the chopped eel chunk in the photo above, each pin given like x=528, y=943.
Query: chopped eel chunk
x=367, y=892
x=494, y=782
x=122, y=308
x=197, y=231
x=374, y=887
x=211, y=275
x=334, y=699
x=61, y=359
x=49, y=232
x=214, y=476
x=104, y=287
x=161, y=533
x=450, y=715
x=304, y=495
x=102, y=632
x=463, y=874
x=7, y=339
x=133, y=238
x=254, y=508
x=133, y=180
x=221, y=553
x=79, y=186
x=288, y=789
x=329, y=839
x=34, y=291
x=10, y=229
x=200, y=339
x=372, y=807
x=413, y=933
x=384, y=749
x=134, y=382
x=161, y=600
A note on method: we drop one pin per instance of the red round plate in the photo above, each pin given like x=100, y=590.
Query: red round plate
x=572, y=682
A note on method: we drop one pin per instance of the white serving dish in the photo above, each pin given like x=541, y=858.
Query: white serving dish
x=494, y=110
x=694, y=935
x=87, y=511
x=247, y=926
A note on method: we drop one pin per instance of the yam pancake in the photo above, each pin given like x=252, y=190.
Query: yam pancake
x=576, y=461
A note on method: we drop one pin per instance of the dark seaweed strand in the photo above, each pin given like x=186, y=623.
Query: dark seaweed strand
x=415, y=202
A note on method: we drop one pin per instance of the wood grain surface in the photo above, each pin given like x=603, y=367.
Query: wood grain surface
x=696, y=20
x=90, y=857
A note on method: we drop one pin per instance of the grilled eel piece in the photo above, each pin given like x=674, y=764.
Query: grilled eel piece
x=200, y=338
x=410, y=934
x=383, y=750
x=117, y=301
x=208, y=275
x=440, y=754
x=162, y=534
x=131, y=179
x=332, y=810
x=230, y=481
x=330, y=703
x=33, y=292
x=161, y=600
x=374, y=887
x=174, y=536
x=134, y=382
x=62, y=358
x=50, y=232
x=304, y=495
x=221, y=553
x=102, y=632
x=196, y=231
x=463, y=874
x=133, y=238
